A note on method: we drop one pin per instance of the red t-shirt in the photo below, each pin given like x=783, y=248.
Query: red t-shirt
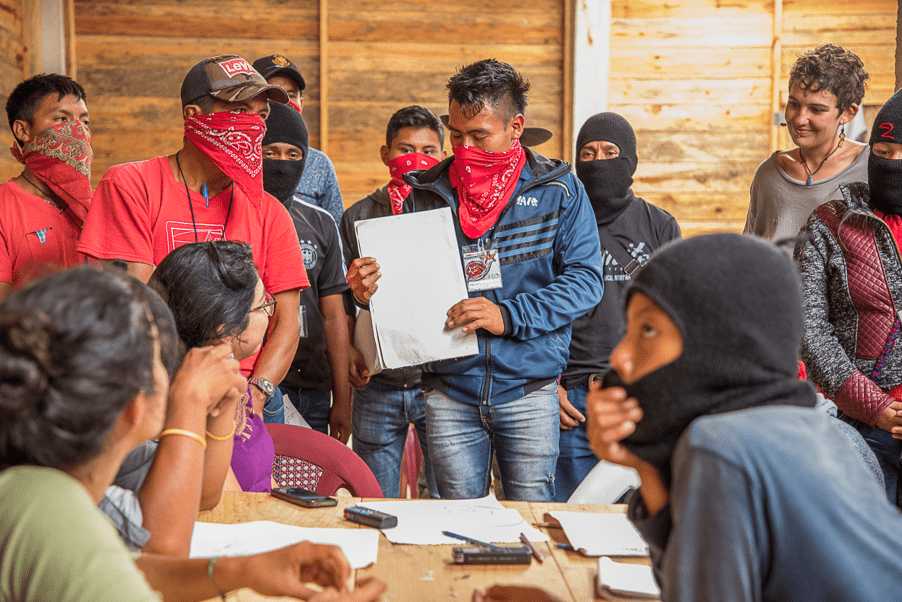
x=129, y=220
x=33, y=233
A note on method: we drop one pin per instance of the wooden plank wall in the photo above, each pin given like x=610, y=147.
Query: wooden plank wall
x=383, y=55
x=16, y=32
x=694, y=78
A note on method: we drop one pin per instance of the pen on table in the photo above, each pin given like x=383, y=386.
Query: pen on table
x=531, y=547
x=469, y=539
x=548, y=525
x=566, y=546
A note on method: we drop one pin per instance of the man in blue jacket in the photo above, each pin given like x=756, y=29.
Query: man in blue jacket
x=532, y=261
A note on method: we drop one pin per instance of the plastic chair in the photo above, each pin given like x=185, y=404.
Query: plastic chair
x=309, y=459
x=410, y=464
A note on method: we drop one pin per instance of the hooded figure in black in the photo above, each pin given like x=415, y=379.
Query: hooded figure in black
x=885, y=174
x=748, y=492
x=630, y=230
x=741, y=331
x=281, y=177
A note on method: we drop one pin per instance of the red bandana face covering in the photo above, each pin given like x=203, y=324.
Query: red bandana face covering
x=485, y=182
x=398, y=189
x=60, y=156
x=234, y=142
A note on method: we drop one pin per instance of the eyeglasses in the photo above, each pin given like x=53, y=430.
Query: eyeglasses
x=268, y=305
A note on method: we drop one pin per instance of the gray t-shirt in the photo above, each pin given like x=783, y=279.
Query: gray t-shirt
x=780, y=205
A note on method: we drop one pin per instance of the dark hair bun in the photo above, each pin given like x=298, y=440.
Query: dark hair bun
x=25, y=359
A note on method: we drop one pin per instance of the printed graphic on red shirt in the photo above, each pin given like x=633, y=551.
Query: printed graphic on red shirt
x=183, y=233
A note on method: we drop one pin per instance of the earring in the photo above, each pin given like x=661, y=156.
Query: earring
x=842, y=135
x=783, y=124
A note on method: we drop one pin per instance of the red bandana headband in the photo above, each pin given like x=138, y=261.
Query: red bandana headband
x=485, y=182
x=398, y=189
x=60, y=156
x=234, y=142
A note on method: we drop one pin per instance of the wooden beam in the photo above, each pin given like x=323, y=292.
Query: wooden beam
x=776, y=56
x=69, y=28
x=899, y=46
x=569, y=44
x=324, y=76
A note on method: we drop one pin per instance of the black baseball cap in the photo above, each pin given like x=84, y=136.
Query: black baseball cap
x=276, y=64
x=228, y=77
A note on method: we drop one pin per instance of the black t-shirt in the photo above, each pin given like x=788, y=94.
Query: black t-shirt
x=642, y=228
x=321, y=248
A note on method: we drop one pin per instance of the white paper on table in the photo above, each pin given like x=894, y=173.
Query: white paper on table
x=421, y=522
x=601, y=534
x=213, y=539
x=621, y=580
x=422, y=278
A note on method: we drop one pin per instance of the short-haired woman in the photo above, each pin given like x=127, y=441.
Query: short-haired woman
x=826, y=86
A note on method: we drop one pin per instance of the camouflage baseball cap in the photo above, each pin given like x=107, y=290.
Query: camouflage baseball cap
x=228, y=77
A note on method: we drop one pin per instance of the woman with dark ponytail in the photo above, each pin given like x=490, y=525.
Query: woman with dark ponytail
x=83, y=380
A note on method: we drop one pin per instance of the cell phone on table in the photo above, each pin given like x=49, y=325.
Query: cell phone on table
x=303, y=497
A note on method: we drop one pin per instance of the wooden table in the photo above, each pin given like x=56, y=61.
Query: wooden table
x=426, y=573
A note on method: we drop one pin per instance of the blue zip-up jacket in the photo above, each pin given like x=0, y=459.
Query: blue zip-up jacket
x=551, y=272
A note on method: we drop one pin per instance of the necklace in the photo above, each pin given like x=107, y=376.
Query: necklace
x=805, y=163
x=62, y=209
x=191, y=206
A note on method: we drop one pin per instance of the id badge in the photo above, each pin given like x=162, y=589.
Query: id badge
x=481, y=268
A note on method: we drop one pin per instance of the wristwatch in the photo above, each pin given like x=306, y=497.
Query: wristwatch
x=264, y=385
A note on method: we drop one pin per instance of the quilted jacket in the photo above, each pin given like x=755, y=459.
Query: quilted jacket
x=852, y=278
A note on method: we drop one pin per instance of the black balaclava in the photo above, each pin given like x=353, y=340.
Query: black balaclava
x=885, y=175
x=281, y=178
x=737, y=303
x=608, y=181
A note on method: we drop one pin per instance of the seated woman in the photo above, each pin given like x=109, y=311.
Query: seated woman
x=748, y=492
x=217, y=297
x=218, y=301
x=82, y=382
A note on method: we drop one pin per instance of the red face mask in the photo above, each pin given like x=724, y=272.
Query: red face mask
x=485, y=182
x=234, y=142
x=60, y=156
x=398, y=189
x=294, y=106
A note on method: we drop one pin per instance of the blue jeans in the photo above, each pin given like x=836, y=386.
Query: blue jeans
x=523, y=433
x=380, y=417
x=274, y=408
x=886, y=449
x=314, y=406
x=576, y=459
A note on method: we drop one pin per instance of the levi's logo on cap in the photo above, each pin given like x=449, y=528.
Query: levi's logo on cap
x=237, y=65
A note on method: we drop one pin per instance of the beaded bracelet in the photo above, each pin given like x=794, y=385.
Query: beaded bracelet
x=224, y=437
x=184, y=433
x=210, y=566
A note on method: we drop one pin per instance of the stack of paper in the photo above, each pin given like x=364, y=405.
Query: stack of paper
x=422, y=278
x=597, y=534
x=620, y=580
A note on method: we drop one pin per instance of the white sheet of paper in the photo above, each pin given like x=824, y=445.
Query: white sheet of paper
x=421, y=522
x=422, y=278
x=597, y=534
x=621, y=580
x=212, y=539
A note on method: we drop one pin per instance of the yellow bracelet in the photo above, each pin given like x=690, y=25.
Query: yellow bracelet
x=185, y=433
x=224, y=437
